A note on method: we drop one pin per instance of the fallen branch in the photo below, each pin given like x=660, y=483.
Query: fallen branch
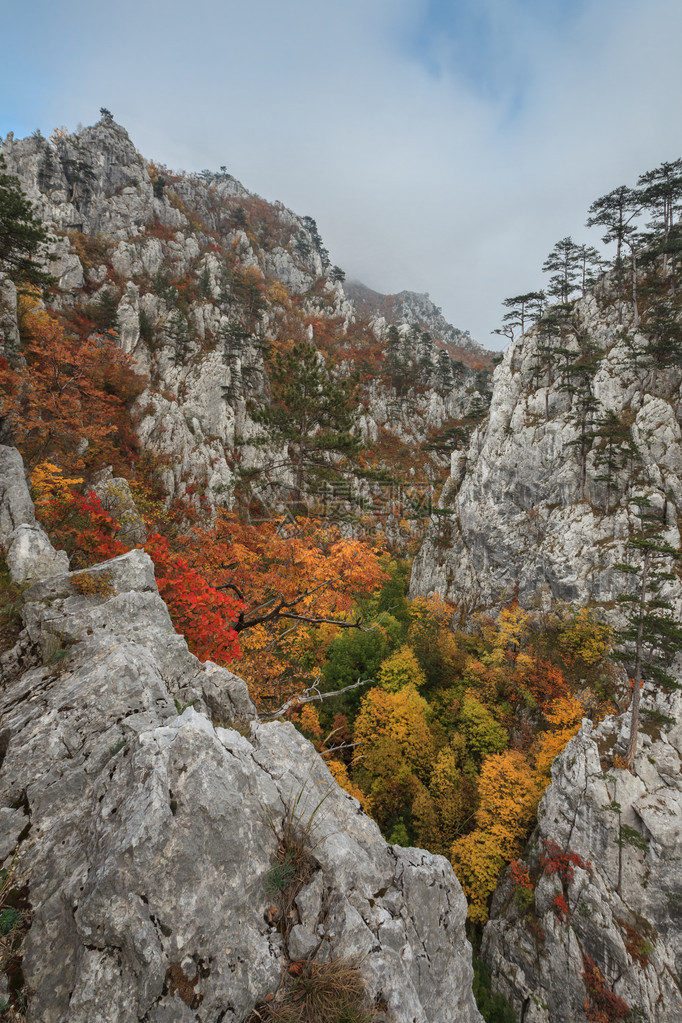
x=312, y=694
x=340, y=748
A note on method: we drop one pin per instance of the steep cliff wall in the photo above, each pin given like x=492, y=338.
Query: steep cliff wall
x=143, y=834
x=528, y=510
x=622, y=906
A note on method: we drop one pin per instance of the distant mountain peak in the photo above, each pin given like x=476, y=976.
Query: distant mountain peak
x=412, y=308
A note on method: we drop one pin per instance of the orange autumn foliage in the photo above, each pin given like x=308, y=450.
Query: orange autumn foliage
x=307, y=561
x=287, y=575
x=545, y=681
x=564, y=716
x=509, y=795
x=69, y=400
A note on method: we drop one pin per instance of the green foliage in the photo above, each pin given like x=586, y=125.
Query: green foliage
x=117, y=747
x=631, y=836
x=104, y=312
x=9, y=918
x=281, y=874
x=146, y=327
x=484, y=735
x=658, y=718
x=653, y=636
x=182, y=707
x=398, y=834
x=493, y=1007
x=23, y=239
x=352, y=655
x=312, y=415
x=392, y=597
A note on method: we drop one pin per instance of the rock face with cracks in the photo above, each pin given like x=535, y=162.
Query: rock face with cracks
x=519, y=517
x=172, y=254
x=623, y=905
x=145, y=836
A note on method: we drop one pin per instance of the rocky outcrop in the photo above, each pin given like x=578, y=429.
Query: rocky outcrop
x=623, y=891
x=145, y=823
x=29, y=553
x=523, y=513
x=202, y=276
x=413, y=309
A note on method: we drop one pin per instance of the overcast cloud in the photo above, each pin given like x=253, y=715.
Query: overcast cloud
x=441, y=146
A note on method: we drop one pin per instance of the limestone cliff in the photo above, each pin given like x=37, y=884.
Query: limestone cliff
x=539, y=504
x=200, y=278
x=413, y=309
x=583, y=419
x=143, y=823
x=622, y=905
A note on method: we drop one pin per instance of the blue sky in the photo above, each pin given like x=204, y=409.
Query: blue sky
x=441, y=146
x=485, y=43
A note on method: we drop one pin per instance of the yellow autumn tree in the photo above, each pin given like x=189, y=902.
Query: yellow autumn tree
x=49, y=483
x=395, y=751
x=400, y=669
x=496, y=673
x=451, y=804
x=401, y=717
x=477, y=862
x=509, y=794
x=564, y=717
x=584, y=637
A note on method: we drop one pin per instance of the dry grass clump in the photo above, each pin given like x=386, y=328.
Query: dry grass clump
x=295, y=862
x=329, y=992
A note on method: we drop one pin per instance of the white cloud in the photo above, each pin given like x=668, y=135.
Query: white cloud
x=417, y=180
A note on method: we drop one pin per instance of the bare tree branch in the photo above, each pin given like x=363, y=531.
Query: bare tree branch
x=313, y=694
x=339, y=748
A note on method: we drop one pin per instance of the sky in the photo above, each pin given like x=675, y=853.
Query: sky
x=442, y=146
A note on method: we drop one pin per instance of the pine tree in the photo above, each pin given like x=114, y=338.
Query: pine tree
x=445, y=376
x=617, y=450
x=395, y=358
x=23, y=239
x=577, y=382
x=547, y=346
x=652, y=636
x=615, y=212
x=564, y=263
x=311, y=414
x=662, y=195
x=664, y=334
x=522, y=310
x=590, y=265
